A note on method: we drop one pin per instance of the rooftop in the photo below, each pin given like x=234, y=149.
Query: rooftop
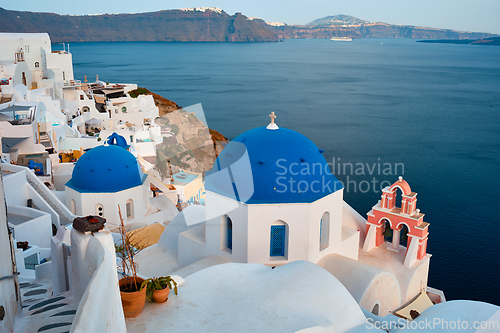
x=183, y=178
x=252, y=298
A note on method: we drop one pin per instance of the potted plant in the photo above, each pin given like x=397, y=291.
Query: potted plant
x=133, y=297
x=157, y=289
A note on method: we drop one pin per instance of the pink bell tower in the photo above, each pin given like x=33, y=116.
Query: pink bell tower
x=386, y=214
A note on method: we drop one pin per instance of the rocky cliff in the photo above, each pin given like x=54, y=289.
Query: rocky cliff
x=373, y=30
x=207, y=25
x=187, y=142
x=165, y=25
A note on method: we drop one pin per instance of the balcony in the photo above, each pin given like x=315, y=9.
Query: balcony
x=69, y=84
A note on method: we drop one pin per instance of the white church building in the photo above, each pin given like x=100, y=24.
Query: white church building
x=109, y=176
x=271, y=199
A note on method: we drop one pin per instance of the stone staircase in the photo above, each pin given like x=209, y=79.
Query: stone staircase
x=44, y=312
x=45, y=140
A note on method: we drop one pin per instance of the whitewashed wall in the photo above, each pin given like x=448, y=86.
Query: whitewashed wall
x=37, y=230
x=95, y=283
x=85, y=204
x=7, y=286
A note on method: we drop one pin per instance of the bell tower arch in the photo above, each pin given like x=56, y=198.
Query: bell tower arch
x=405, y=222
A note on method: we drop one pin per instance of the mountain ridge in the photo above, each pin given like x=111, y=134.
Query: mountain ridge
x=179, y=25
x=339, y=19
x=207, y=24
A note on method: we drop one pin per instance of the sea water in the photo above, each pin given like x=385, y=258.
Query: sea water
x=380, y=108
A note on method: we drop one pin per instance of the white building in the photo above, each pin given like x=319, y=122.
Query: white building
x=106, y=177
x=271, y=199
x=28, y=59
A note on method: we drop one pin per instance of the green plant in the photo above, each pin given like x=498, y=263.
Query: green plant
x=139, y=91
x=159, y=283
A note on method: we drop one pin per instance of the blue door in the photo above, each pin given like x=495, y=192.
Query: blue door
x=229, y=227
x=277, y=241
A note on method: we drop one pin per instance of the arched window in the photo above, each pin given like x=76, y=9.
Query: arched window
x=124, y=109
x=375, y=309
x=404, y=235
x=37, y=64
x=99, y=210
x=279, y=240
x=387, y=232
x=86, y=109
x=398, y=197
x=130, y=209
x=226, y=234
x=324, y=231
x=73, y=207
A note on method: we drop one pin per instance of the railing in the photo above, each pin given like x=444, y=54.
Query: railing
x=65, y=215
x=68, y=83
x=159, y=183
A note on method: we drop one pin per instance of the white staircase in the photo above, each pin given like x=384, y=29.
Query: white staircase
x=65, y=215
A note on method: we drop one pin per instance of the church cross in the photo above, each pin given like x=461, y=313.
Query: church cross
x=272, y=117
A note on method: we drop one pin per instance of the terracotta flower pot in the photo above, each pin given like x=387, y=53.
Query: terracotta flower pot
x=134, y=301
x=161, y=296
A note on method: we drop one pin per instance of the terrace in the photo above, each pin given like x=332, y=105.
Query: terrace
x=18, y=114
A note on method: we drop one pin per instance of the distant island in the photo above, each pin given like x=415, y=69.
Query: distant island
x=208, y=24
x=349, y=26
x=484, y=41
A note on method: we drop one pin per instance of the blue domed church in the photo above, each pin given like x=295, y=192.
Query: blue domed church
x=103, y=178
x=271, y=199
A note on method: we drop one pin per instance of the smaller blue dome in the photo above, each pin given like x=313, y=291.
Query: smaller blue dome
x=117, y=140
x=106, y=169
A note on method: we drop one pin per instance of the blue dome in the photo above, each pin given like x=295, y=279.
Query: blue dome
x=271, y=166
x=117, y=140
x=106, y=169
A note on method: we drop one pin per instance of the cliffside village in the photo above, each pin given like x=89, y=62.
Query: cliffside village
x=245, y=256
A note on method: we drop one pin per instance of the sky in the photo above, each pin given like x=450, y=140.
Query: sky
x=463, y=15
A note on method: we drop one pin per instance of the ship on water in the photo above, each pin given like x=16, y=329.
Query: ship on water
x=341, y=39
